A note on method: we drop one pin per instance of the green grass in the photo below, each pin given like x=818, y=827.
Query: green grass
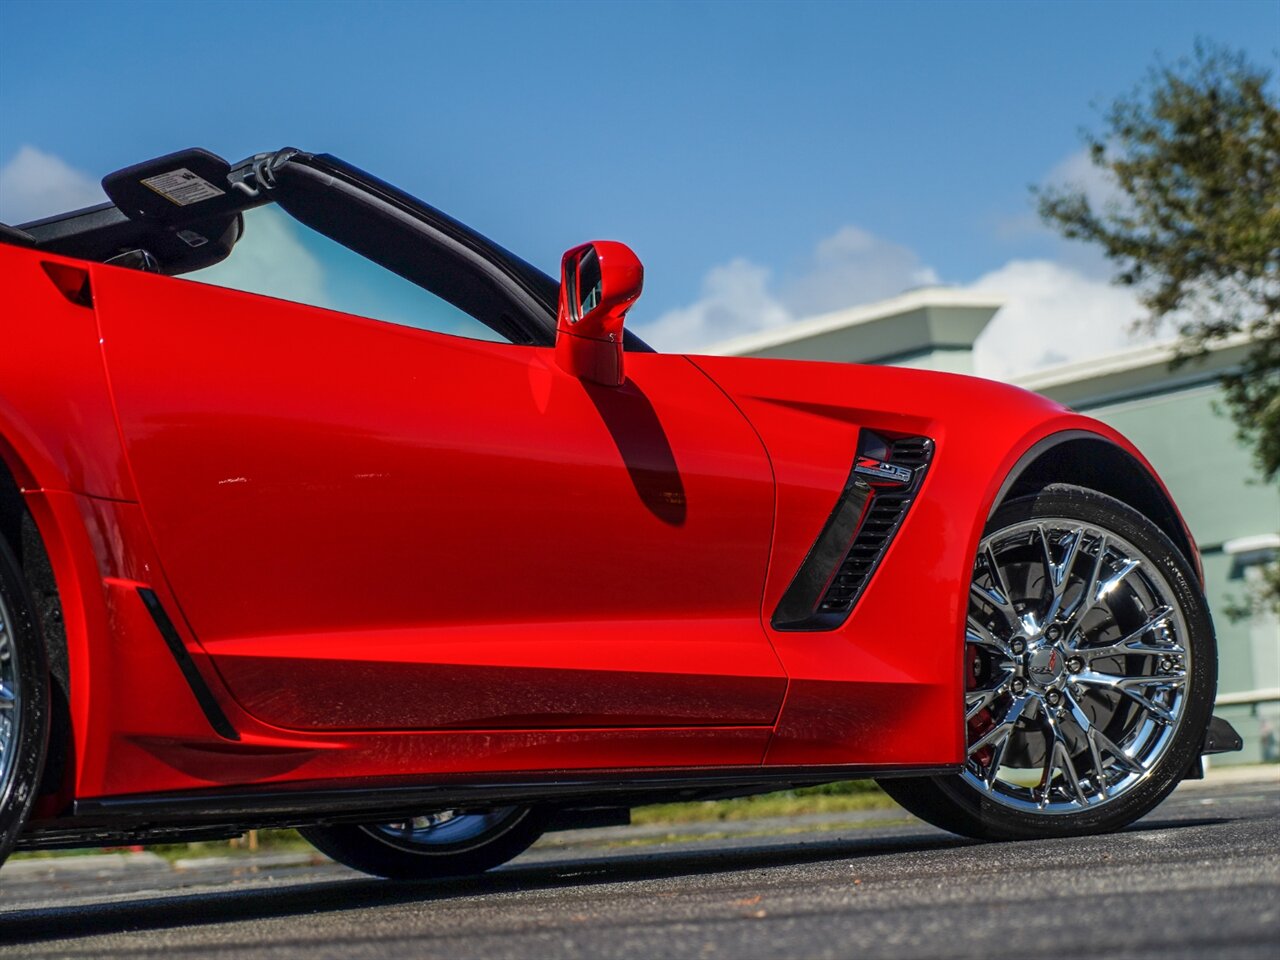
x=828, y=798
x=845, y=797
x=269, y=841
x=677, y=836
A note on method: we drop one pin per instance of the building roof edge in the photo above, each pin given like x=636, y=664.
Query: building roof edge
x=825, y=323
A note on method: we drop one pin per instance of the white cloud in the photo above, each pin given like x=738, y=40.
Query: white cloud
x=853, y=266
x=36, y=184
x=735, y=300
x=849, y=267
x=1052, y=314
x=1056, y=310
x=272, y=261
x=1078, y=172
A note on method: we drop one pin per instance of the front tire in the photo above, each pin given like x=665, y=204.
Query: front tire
x=24, y=702
x=1091, y=671
x=447, y=843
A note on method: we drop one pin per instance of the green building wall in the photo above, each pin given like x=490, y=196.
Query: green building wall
x=1192, y=445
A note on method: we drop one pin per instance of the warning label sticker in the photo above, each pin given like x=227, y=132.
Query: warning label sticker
x=182, y=187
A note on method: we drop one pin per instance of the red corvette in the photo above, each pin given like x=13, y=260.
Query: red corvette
x=426, y=596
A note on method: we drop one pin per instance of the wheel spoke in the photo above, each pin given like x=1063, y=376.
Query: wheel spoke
x=1132, y=644
x=1076, y=712
x=1130, y=687
x=1056, y=574
x=997, y=595
x=977, y=634
x=1086, y=600
x=979, y=700
x=1062, y=761
x=997, y=738
x=997, y=578
x=1098, y=742
x=1104, y=589
x=996, y=761
x=1058, y=757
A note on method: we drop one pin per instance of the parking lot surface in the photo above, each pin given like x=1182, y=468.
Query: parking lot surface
x=1199, y=877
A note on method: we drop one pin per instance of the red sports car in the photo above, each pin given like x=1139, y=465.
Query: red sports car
x=425, y=596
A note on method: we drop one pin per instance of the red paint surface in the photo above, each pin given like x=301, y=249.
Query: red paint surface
x=885, y=687
x=418, y=521
x=56, y=425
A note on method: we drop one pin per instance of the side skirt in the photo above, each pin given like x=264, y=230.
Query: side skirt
x=226, y=813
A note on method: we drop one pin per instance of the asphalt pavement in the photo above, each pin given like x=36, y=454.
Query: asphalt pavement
x=1199, y=877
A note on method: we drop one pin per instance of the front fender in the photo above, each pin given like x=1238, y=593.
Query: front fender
x=887, y=685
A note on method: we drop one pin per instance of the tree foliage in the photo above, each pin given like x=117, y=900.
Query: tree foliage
x=1195, y=228
x=1194, y=224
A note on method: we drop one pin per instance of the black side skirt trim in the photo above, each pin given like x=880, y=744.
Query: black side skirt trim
x=155, y=818
x=368, y=799
x=213, y=713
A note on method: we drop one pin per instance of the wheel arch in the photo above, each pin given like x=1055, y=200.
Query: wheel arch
x=1099, y=463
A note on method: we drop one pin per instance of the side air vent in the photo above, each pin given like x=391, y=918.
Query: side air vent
x=882, y=485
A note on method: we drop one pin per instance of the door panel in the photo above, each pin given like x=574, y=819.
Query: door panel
x=371, y=526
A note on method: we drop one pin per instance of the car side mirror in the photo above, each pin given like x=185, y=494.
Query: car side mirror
x=599, y=282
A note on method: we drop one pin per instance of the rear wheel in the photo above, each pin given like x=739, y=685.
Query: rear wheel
x=445, y=843
x=24, y=698
x=1091, y=670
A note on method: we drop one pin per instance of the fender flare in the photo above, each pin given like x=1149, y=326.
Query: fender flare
x=1108, y=465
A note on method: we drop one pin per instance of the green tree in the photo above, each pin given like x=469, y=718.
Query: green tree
x=1194, y=227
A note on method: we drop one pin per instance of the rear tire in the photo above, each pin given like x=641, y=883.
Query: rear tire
x=445, y=844
x=1097, y=682
x=24, y=702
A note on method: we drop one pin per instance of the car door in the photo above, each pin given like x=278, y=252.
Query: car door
x=369, y=526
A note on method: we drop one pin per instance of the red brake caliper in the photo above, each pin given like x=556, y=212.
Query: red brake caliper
x=981, y=722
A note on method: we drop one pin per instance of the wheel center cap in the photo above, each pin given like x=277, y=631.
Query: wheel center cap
x=1046, y=665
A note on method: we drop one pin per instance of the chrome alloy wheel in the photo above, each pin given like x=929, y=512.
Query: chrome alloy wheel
x=1077, y=659
x=9, y=703
x=444, y=830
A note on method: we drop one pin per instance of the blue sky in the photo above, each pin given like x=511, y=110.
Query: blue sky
x=776, y=158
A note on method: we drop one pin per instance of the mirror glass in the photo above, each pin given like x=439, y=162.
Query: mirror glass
x=588, y=292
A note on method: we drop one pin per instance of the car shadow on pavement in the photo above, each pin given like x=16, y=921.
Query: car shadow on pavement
x=251, y=903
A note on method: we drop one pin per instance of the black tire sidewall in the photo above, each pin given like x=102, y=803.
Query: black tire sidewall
x=32, y=713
